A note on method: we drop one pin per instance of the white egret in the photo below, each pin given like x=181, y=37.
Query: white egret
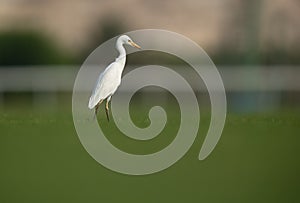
x=110, y=79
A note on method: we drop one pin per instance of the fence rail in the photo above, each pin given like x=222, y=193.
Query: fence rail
x=55, y=79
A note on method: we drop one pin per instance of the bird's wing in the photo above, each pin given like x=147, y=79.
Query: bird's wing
x=105, y=86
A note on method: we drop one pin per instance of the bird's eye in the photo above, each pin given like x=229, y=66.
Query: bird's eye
x=129, y=40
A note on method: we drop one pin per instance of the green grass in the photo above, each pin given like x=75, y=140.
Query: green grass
x=256, y=160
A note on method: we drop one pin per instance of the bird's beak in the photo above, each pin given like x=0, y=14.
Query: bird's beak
x=134, y=45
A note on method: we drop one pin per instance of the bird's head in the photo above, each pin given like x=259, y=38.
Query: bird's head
x=127, y=40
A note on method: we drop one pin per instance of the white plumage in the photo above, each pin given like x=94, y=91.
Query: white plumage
x=110, y=79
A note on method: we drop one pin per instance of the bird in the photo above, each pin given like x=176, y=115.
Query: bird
x=110, y=79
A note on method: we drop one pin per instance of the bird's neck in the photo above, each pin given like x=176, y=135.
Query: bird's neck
x=122, y=52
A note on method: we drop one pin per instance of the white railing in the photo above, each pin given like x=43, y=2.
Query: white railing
x=56, y=79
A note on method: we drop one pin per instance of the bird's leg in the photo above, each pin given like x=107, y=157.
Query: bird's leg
x=96, y=108
x=107, y=108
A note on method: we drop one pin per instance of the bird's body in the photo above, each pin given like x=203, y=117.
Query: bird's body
x=110, y=79
x=105, y=89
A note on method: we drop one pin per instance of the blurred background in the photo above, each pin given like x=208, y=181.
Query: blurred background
x=255, y=42
x=255, y=46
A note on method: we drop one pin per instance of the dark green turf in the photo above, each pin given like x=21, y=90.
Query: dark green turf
x=256, y=160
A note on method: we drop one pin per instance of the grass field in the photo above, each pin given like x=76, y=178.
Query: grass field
x=256, y=160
